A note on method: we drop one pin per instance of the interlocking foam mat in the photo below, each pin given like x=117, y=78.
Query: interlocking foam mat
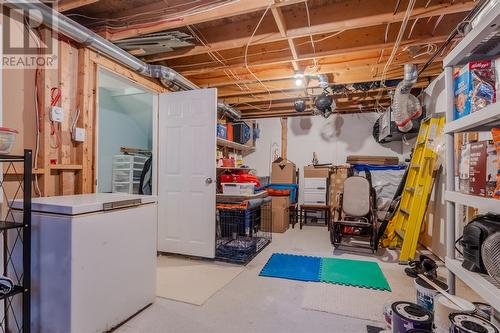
x=357, y=273
x=293, y=267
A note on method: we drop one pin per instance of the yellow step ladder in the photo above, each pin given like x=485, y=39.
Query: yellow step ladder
x=404, y=228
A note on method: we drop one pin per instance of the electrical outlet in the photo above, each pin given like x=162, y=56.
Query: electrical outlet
x=56, y=114
x=79, y=134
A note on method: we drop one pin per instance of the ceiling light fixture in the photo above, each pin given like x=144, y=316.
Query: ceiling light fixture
x=299, y=78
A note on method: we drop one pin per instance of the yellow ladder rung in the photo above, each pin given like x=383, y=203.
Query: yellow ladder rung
x=404, y=211
x=400, y=233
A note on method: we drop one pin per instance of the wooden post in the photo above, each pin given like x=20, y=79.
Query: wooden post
x=284, y=137
x=85, y=102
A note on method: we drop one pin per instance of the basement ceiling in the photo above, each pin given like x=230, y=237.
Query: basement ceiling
x=250, y=50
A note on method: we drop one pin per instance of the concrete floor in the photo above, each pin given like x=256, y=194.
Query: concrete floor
x=251, y=303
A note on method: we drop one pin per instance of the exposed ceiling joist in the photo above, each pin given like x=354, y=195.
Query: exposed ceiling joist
x=288, y=86
x=358, y=14
x=280, y=22
x=338, y=51
x=65, y=5
x=231, y=9
x=344, y=72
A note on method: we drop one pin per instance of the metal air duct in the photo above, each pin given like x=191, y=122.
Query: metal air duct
x=405, y=106
x=71, y=29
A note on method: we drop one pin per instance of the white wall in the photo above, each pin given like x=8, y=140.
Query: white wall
x=124, y=120
x=433, y=236
x=270, y=139
x=332, y=139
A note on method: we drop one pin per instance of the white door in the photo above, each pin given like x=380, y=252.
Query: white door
x=186, y=172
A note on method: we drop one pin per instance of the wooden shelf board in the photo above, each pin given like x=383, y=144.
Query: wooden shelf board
x=66, y=167
x=233, y=145
x=20, y=172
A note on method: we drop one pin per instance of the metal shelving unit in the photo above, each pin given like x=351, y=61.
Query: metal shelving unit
x=16, y=237
x=479, y=44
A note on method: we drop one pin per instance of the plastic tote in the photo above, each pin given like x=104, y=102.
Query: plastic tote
x=292, y=187
x=7, y=139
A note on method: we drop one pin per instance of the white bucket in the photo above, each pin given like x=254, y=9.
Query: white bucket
x=443, y=307
x=426, y=293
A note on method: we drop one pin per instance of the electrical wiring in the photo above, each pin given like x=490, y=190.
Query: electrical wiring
x=38, y=117
x=412, y=27
x=55, y=97
x=74, y=121
x=404, y=23
x=128, y=22
x=315, y=63
x=197, y=64
x=246, y=57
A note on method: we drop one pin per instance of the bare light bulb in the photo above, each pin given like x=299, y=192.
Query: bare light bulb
x=299, y=82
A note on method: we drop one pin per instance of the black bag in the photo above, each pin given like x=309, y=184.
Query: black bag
x=475, y=233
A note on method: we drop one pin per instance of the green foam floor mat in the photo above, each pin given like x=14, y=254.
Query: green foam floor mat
x=357, y=273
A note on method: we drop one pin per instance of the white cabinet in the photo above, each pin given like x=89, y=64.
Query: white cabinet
x=315, y=191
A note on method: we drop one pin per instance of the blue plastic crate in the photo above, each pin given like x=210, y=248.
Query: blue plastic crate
x=294, y=189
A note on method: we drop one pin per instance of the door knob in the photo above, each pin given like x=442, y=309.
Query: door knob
x=209, y=181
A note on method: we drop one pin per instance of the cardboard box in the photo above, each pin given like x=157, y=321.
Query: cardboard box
x=474, y=87
x=491, y=169
x=482, y=168
x=311, y=171
x=280, y=213
x=283, y=172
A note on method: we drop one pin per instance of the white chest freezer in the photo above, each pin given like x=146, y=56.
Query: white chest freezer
x=93, y=261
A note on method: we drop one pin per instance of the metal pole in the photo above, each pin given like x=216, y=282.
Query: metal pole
x=450, y=176
x=27, y=241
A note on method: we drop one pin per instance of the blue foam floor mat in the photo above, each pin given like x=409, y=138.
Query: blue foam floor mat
x=293, y=267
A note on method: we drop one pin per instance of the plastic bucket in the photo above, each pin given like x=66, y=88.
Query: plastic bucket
x=426, y=293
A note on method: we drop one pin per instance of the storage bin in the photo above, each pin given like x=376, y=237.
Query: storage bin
x=314, y=198
x=127, y=170
x=238, y=188
x=241, y=133
x=318, y=184
x=7, y=139
x=294, y=188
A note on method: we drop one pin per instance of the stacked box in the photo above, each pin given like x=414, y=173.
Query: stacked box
x=482, y=169
x=475, y=87
x=281, y=213
x=283, y=172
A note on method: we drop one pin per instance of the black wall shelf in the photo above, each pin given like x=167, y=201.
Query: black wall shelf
x=15, y=228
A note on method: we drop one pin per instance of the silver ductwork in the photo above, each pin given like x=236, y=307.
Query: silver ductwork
x=323, y=81
x=405, y=106
x=223, y=107
x=71, y=29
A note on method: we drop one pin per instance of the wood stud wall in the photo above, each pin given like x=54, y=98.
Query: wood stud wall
x=70, y=168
